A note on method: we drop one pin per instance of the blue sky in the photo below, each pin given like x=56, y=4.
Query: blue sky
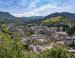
x=36, y=7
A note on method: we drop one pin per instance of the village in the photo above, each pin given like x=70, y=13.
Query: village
x=40, y=38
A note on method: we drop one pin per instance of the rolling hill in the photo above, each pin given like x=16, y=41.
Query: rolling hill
x=63, y=18
x=65, y=14
x=60, y=18
x=6, y=14
x=8, y=18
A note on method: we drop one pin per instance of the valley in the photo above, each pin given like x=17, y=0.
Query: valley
x=37, y=37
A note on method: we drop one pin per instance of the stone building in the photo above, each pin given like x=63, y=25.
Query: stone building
x=36, y=36
x=69, y=41
x=59, y=36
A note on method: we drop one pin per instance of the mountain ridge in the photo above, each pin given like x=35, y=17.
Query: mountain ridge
x=66, y=14
x=6, y=14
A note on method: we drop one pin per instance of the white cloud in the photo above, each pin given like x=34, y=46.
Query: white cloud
x=32, y=10
x=17, y=15
x=42, y=11
x=45, y=10
x=32, y=6
x=48, y=9
x=39, y=11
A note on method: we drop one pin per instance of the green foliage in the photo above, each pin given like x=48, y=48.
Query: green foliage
x=60, y=20
x=10, y=48
x=14, y=49
x=56, y=53
x=27, y=33
x=3, y=28
x=71, y=30
x=52, y=20
x=53, y=53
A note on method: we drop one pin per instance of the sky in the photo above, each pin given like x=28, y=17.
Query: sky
x=27, y=8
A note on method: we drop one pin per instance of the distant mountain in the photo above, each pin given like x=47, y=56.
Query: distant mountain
x=63, y=18
x=8, y=18
x=59, y=20
x=36, y=17
x=66, y=14
x=31, y=18
x=6, y=14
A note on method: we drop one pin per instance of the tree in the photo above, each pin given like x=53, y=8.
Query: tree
x=56, y=53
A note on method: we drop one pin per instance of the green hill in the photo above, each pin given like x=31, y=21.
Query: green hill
x=59, y=20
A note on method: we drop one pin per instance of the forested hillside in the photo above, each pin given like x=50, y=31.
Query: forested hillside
x=59, y=20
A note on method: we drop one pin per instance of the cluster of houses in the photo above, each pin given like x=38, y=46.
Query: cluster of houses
x=36, y=36
x=40, y=34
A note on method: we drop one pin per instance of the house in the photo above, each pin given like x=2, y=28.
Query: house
x=51, y=25
x=60, y=29
x=37, y=29
x=59, y=36
x=36, y=49
x=73, y=39
x=69, y=41
x=49, y=30
x=36, y=36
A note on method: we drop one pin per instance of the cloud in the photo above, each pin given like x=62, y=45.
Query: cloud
x=48, y=9
x=51, y=7
x=44, y=10
x=32, y=5
x=36, y=7
x=17, y=14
